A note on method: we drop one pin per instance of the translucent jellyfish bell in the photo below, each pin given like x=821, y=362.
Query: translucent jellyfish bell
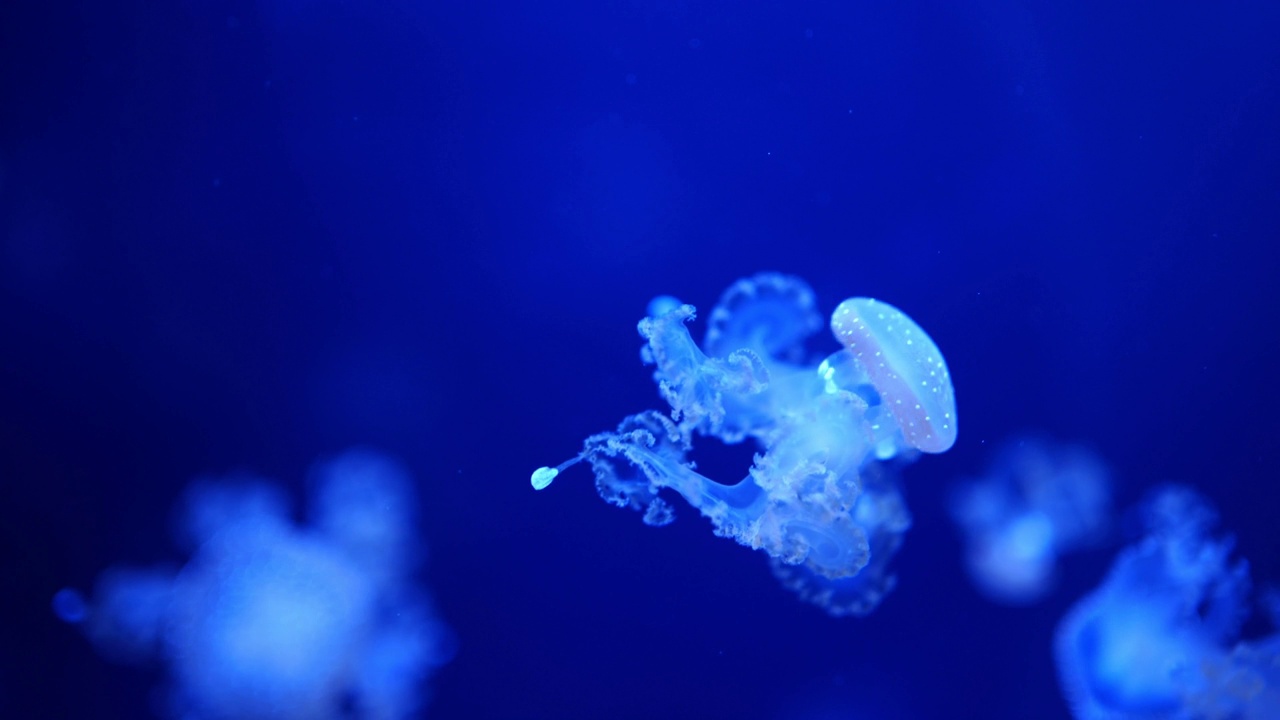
x=904, y=366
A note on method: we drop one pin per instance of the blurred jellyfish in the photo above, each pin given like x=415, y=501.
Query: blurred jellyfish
x=1037, y=501
x=1159, y=638
x=272, y=620
x=819, y=499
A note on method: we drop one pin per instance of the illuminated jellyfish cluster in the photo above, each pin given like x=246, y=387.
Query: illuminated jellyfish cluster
x=272, y=620
x=1037, y=501
x=1158, y=640
x=819, y=498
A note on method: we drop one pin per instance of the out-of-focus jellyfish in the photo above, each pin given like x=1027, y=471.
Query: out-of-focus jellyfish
x=1037, y=501
x=819, y=498
x=1158, y=640
x=272, y=620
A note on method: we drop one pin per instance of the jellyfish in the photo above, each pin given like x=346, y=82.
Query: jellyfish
x=1037, y=501
x=1159, y=639
x=269, y=619
x=821, y=498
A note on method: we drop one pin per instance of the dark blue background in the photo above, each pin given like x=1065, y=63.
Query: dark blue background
x=242, y=235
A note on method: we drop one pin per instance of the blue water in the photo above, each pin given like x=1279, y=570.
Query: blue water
x=241, y=237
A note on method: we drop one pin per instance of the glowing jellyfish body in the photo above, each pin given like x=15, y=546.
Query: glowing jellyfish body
x=1036, y=502
x=272, y=620
x=817, y=498
x=1156, y=639
x=268, y=621
x=906, y=368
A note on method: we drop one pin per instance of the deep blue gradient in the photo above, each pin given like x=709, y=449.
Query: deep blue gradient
x=242, y=235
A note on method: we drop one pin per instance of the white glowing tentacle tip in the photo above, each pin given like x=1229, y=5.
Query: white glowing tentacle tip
x=543, y=476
